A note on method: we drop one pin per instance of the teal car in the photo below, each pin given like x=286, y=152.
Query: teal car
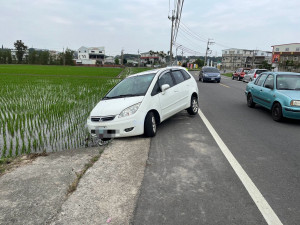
x=278, y=92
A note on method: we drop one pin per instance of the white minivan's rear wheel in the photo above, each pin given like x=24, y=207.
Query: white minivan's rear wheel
x=150, y=125
x=193, y=109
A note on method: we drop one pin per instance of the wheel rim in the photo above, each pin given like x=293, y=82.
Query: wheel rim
x=153, y=124
x=195, y=105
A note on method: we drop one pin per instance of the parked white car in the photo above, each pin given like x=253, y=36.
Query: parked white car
x=140, y=102
x=252, y=74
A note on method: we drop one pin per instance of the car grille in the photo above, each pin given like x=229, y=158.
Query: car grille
x=102, y=118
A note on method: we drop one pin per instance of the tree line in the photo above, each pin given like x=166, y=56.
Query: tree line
x=25, y=55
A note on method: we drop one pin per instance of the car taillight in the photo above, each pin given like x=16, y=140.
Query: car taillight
x=254, y=75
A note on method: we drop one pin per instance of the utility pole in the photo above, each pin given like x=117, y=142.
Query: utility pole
x=64, y=58
x=122, y=56
x=209, y=42
x=139, y=58
x=171, y=42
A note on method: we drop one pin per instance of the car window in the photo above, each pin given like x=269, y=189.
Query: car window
x=260, y=71
x=156, y=89
x=131, y=86
x=288, y=82
x=185, y=74
x=251, y=71
x=261, y=80
x=211, y=70
x=269, y=81
x=166, y=79
x=178, y=76
x=246, y=71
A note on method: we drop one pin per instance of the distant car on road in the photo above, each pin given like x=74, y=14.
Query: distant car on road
x=278, y=92
x=208, y=73
x=141, y=101
x=252, y=74
x=240, y=73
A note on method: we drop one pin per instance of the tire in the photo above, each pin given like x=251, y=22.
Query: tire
x=150, y=125
x=238, y=78
x=250, y=102
x=218, y=81
x=193, y=109
x=199, y=78
x=277, y=112
x=232, y=77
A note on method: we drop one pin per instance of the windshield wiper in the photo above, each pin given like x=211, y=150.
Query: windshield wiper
x=123, y=96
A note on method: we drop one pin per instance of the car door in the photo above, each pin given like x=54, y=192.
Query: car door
x=266, y=93
x=181, y=90
x=257, y=87
x=168, y=98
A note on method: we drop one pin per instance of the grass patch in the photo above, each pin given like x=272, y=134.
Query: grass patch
x=59, y=70
x=227, y=74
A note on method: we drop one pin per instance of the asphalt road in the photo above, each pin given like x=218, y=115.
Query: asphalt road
x=188, y=180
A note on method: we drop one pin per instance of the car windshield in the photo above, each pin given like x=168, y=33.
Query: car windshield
x=210, y=70
x=260, y=71
x=131, y=86
x=288, y=82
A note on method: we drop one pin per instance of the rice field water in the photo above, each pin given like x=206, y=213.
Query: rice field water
x=44, y=108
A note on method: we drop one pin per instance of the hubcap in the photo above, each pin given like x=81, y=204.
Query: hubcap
x=153, y=124
x=195, y=105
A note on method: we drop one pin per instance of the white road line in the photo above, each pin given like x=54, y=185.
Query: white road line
x=263, y=206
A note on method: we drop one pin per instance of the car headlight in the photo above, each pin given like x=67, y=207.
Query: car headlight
x=218, y=75
x=204, y=74
x=295, y=103
x=130, y=110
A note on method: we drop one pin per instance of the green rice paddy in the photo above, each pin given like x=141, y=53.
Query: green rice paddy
x=44, y=108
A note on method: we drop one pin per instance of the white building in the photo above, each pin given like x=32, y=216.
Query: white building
x=153, y=58
x=90, y=55
x=234, y=58
x=109, y=60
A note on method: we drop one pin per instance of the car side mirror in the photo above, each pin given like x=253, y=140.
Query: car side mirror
x=269, y=86
x=164, y=87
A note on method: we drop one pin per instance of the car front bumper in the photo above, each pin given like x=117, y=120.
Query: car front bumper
x=211, y=79
x=119, y=127
x=291, y=112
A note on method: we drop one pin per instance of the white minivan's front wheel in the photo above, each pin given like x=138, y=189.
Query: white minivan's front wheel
x=193, y=109
x=150, y=125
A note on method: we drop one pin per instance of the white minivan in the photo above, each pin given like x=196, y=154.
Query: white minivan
x=141, y=101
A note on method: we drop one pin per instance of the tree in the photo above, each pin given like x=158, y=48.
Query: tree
x=117, y=61
x=266, y=65
x=124, y=61
x=200, y=62
x=21, y=49
x=68, y=57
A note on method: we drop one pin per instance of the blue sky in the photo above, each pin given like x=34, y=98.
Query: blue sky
x=143, y=25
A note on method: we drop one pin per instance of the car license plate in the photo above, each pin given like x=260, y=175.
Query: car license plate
x=212, y=78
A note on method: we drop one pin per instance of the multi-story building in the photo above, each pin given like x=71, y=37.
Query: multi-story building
x=234, y=58
x=286, y=57
x=90, y=55
x=153, y=58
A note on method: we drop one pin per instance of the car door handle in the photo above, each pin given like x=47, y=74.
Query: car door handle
x=261, y=90
x=176, y=91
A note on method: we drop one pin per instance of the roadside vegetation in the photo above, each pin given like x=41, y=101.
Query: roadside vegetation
x=227, y=74
x=45, y=113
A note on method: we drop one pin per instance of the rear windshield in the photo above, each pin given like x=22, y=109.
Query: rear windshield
x=210, y=70
x=246, y=71
x=260, y=71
